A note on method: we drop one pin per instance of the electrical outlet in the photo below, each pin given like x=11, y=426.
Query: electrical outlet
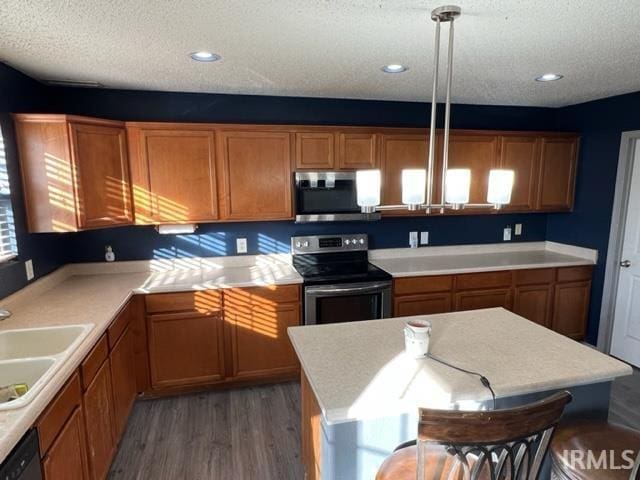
x=241, y=245
x=506, y=236
x=518, y=229
x=413, y=239
x=28, y=266
x=424, y=238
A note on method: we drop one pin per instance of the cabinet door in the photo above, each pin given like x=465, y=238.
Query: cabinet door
x=534, y=302
x=67, y=457
x=258, y=326
x=475, y=299
x=478, y=153
x=185, y=349
x=422, y=304
x=571, y=309
x=174, y=175
x=99, y=421
x=357, y=150
x=558, y=162
x=102, y=174
x=398, y=152
x=521, y=154
x=256, y=175
x=315, y=150
x=123, y=379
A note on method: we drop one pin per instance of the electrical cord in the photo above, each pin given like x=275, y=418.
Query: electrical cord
x=484, y=380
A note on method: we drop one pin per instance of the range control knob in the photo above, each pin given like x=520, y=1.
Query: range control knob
x=354, y=241
x=298, y=244
x=347, y=242
x=362, y=241
x=305, y=244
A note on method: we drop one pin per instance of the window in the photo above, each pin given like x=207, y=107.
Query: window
x=8, y=246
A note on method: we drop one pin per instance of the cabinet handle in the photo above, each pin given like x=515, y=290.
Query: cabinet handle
x=625, y=263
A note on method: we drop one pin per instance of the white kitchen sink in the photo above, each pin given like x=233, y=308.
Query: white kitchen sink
x=38, y=342
x=34, y=355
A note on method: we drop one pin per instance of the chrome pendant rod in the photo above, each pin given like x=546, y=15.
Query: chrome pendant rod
x=447, y=115
x=432, y=125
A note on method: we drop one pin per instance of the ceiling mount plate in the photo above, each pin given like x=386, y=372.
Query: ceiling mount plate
x=445, y=13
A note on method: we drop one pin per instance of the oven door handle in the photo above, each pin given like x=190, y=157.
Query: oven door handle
x=374, y=287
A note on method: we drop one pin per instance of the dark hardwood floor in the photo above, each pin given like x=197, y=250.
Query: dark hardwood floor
x=248, y=434
x=625, y=401
x=242, y=434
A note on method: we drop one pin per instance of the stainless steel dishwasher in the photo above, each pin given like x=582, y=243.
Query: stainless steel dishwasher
x=23, y=463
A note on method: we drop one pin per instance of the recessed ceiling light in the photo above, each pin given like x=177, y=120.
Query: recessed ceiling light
x=548, y=77
x=394, y=68
x=205, y=56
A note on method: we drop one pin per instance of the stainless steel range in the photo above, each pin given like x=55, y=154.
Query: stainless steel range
x=340, y=285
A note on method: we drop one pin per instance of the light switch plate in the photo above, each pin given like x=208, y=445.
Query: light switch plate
x=413, y=239
x=424, y=238
x=241, y=245
x=507, y=234
x=518, y=229
x=28, y=266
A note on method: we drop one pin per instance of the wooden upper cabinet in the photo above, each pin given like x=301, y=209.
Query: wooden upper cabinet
x=478, y=153
x=398, y=152
x=558, y=162
x=357, y=151
x=521, y=154
x=75, y=172
x=174, y=174
x=315, y=150
x=255, y=175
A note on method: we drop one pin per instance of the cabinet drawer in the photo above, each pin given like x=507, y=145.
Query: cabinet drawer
x=264, y=295
x=426, y=284
x=533, y=277
x=473, y=281
x=574, y=274
x=204, y=302
x=93, y=361
x=59, y=410
x=119, y=325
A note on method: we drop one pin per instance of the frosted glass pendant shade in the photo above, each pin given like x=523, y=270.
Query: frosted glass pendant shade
x=414, y=182
x=500, y=186
x=457, y=185
x=368, y=188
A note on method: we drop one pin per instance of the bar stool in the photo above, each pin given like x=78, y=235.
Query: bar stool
x=493, y=445
x=573, y=441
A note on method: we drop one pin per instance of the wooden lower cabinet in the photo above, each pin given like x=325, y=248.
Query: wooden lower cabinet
x=185, y=349
x=571, y=308
x=489, y=298
x=67, y=457
x=425, y=304
x=534, y=303
x=100, y=423
x=557, y=298
x=123, y=379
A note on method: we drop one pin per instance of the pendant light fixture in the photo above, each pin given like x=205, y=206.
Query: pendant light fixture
x=417, y=184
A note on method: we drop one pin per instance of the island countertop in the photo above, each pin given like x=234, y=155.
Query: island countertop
x=359, y=370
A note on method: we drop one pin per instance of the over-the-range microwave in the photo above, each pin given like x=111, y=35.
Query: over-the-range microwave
x=327, y=197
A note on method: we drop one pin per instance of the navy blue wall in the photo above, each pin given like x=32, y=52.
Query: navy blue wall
x=600, y=123
x=19, y=93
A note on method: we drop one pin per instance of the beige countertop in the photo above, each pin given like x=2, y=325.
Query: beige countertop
x=479, y=258
x=359, y=370
x=94, y=293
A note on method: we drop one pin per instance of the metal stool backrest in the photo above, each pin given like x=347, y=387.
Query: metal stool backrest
x=507, y=444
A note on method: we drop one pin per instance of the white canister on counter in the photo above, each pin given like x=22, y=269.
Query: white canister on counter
x=416, y=338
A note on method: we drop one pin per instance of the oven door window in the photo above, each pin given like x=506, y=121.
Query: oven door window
x=348, y=308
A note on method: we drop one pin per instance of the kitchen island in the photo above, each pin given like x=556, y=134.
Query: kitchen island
x=361, y=393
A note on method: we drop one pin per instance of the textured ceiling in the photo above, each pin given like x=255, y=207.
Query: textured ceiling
x=330, y=48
